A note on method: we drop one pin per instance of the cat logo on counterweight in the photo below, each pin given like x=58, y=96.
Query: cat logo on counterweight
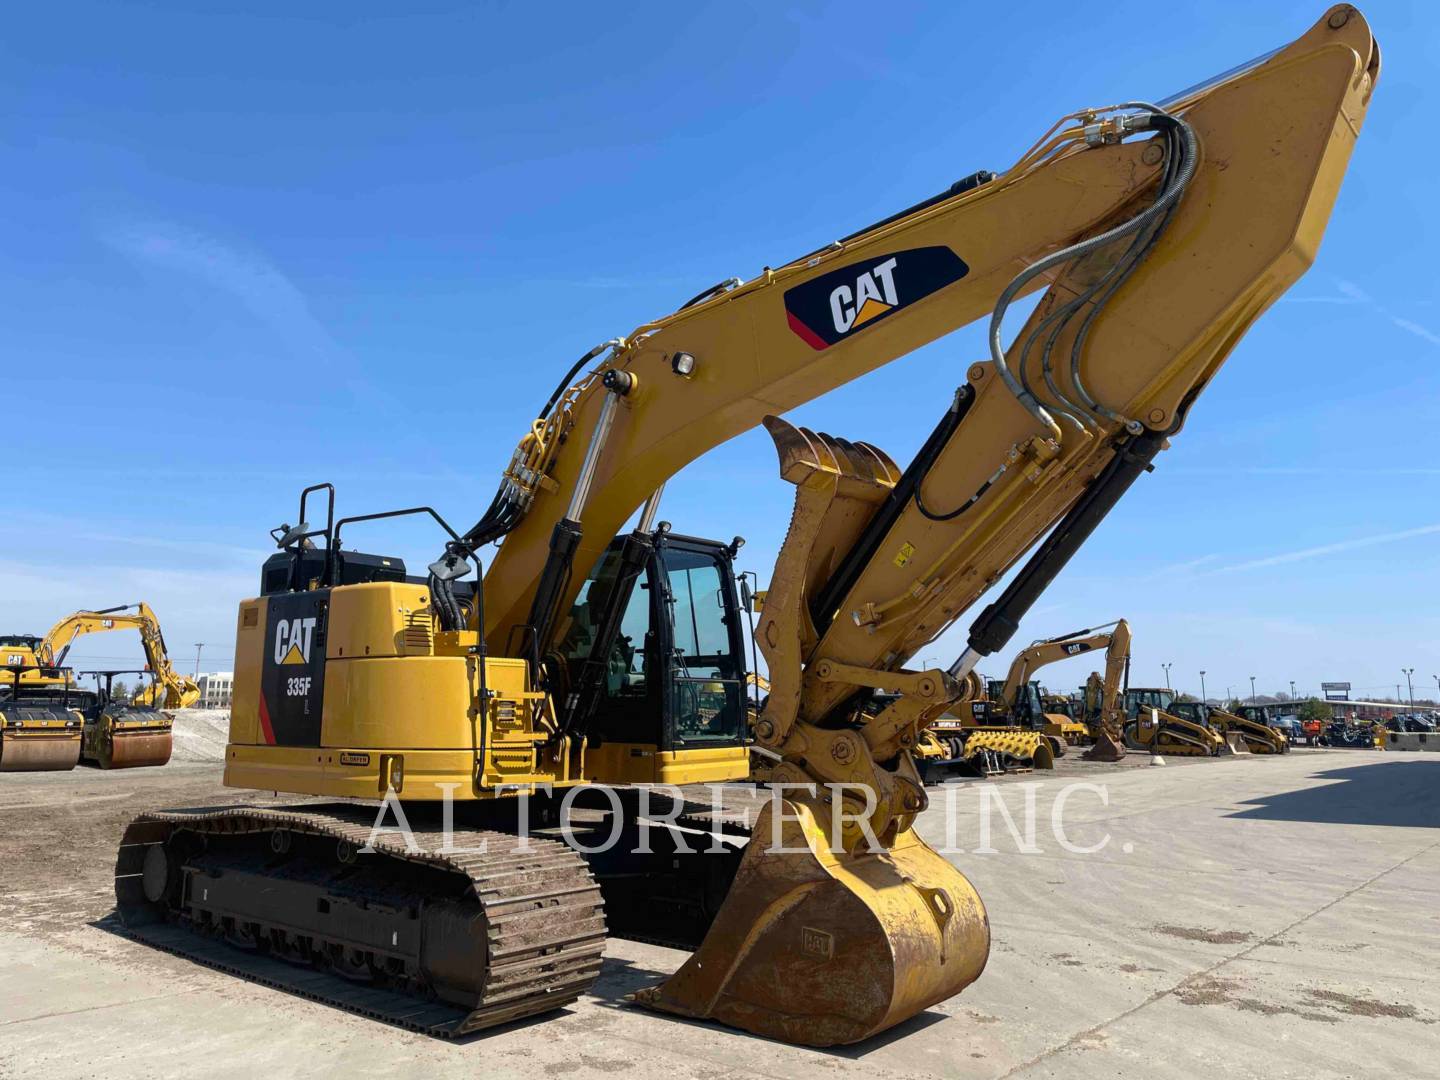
x=292, y=640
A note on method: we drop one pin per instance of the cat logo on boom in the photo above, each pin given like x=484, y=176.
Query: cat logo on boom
x=292, y=640
x=829, y=308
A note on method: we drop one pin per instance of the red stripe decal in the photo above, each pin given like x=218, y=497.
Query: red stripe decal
x=265, y=722
x=806, y=334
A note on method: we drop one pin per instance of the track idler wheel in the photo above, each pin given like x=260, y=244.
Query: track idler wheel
x=822, y=949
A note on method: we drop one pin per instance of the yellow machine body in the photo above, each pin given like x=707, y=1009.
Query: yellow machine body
x=363, y=688
x=1153, y=727
x=169, y=689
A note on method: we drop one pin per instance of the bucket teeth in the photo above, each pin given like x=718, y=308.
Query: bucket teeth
x=804, y=452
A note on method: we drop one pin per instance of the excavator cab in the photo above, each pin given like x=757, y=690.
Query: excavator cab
x=669, y=682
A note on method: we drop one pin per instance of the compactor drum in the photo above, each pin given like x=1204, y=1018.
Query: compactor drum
x=38, y=737
x=39, y=726
x=119, y=735
x=128, y=737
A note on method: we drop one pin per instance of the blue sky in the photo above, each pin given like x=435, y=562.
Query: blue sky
x=244, y=251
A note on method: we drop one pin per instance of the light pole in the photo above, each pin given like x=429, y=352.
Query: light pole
x=198, y=646
x=1408, y=672
x=1292, y=689
x=1167, y=668
x=1204, y=699
x=1252, y=689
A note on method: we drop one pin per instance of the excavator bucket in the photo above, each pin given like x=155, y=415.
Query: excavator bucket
x=1105, y=749
x=1234, y=744
x=821, y=949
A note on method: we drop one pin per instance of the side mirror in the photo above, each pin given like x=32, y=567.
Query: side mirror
x=288, y=535
x=449, y=568
x=747, y=598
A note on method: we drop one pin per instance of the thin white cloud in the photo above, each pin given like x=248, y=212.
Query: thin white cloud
x=1182, y=567
x=1416, y=329
x=1350, y=293
x=260, y=286
x=1301, y=554
x=1353, y=292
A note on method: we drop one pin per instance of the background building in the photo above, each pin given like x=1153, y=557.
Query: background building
x=215, y=689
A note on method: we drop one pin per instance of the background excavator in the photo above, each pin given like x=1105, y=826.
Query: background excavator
x=117, y=734
x=173, y=690
x=1027, y=708
x=581, y=663
x=1003, y=724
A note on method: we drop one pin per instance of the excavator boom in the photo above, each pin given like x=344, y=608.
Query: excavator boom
x=1127, y=333
x=180, y=692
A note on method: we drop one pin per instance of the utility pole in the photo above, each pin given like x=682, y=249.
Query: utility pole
x=1408, y=672
x=1252, y=689
x=1204, y=700
x=198, y=646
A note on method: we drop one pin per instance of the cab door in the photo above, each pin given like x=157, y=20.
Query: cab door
x=701, y=645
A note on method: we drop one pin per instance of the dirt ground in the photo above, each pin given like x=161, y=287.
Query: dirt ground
x=1251, y=917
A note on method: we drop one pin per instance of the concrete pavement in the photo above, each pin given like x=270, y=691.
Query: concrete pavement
x=1247, y=917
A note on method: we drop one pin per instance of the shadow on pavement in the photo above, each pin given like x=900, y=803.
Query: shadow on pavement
x=620, y=978
x=1401, y=793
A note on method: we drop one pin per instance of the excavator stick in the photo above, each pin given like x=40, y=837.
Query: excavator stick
x=821, y=949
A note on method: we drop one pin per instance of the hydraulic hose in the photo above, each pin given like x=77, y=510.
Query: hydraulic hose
x=1153, y=119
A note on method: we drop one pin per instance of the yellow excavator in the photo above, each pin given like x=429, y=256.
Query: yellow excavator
x=1102, y=703
x=1019, y=698
x=1006, y=725
x=582, y=664
x=179, y=691
x=117, y=734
